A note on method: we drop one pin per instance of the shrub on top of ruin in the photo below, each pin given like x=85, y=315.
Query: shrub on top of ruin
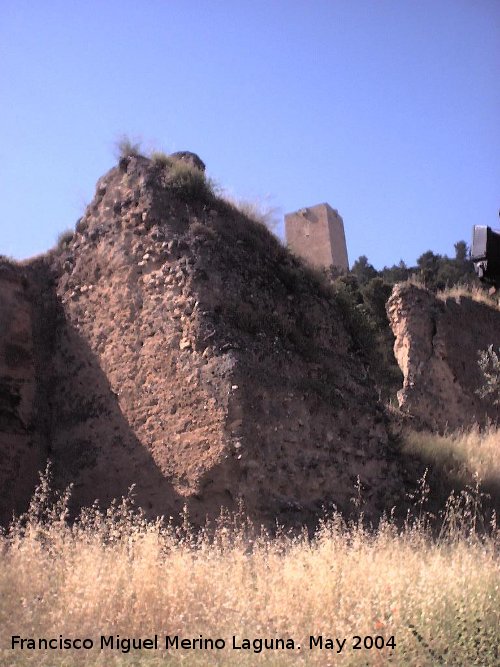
x=64, y=239
x=127, y=147
x=161, y=159
x=188, y=182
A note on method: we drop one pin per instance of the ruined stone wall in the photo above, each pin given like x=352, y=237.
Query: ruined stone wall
x=437, y=346
x=137, y=412
x=303, y=419
x=188, y=353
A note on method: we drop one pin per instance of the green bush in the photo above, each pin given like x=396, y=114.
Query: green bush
x=364, y=316
x=489, y=365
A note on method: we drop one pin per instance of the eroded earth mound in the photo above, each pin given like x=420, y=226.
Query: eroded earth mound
x=437, y=347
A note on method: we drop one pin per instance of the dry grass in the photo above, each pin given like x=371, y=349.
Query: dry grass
x=118, y=574
x=474, y=292
x=260, y=211
x=416, y=280
x=189, y=183
x=464, y=455
x=460, y=291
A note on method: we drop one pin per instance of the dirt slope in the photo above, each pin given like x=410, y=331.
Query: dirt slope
x=179, y=347
x=437, y=345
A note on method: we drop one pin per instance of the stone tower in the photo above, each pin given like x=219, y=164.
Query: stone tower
x=316, y=234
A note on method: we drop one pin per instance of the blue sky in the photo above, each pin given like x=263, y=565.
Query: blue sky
x=389, y=110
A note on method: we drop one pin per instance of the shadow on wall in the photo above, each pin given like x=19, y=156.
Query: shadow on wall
x=91, y=442
x=71, y=416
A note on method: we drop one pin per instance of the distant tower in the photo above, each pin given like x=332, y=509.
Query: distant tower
x=316, y=234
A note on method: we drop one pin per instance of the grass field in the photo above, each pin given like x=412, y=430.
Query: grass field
x=412, y=599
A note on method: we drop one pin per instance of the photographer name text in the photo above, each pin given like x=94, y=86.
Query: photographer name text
x=179, y=643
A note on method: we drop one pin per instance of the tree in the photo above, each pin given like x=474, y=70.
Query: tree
x=363, y=270
x=461, y=251
x=396, y=273
x=375, y=295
